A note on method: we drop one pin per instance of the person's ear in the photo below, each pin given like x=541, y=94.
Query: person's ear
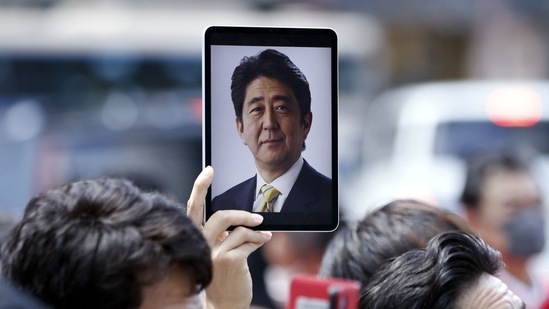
x=307, y=122
x=240, y=129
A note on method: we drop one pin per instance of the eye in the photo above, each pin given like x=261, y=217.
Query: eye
x=281, y=108
x=256, y=110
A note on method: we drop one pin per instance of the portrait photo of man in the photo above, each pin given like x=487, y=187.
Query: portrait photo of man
x=271, y=97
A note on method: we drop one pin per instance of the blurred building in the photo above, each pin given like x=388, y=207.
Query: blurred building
x=104, y=88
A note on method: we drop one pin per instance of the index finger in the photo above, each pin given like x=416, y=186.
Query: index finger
x=221, y=220
x=195, y=204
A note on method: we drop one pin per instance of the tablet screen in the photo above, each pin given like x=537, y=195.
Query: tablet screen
x=270, y=124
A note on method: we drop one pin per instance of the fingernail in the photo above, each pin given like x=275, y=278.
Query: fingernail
x=207, y=171
x=267, y=235
x=257, y=218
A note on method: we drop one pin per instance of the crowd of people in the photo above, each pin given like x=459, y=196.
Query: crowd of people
x=105, y=243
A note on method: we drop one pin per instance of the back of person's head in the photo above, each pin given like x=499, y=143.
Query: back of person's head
x=483, y=165
x=435, y=277
x=272, y=64
x=98, y=243
x=402, y=225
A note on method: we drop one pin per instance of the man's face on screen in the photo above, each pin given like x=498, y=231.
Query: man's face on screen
x=271, y=125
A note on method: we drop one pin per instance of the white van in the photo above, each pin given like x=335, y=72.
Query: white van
x=417, y=138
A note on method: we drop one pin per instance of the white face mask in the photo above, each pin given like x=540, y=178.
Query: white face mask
x=277, y=283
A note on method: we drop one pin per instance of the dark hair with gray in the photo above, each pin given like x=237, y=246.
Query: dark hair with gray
x=399, y=226
x=433, y=277
x=272, y=64
x=97, y=243
x=482, y=166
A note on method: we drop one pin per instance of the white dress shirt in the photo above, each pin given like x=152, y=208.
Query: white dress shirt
x=283, y=184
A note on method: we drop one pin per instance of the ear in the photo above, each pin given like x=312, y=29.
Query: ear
x=240, y=129
x=307, y=122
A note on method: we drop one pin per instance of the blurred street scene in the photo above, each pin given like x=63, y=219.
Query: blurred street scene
x=96, y=88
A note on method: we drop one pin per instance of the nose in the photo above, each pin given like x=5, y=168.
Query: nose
x=270, y=121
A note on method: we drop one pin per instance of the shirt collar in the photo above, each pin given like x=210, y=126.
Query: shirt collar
x=284, y=182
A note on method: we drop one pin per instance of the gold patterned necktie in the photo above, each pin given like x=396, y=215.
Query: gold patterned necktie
x=270, y=194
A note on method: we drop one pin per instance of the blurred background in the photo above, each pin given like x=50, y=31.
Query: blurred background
x=94, y=88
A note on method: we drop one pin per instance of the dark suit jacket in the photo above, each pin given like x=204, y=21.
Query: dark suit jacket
x=311, y=193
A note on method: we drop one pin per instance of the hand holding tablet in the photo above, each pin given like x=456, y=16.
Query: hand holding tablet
x=270, y=116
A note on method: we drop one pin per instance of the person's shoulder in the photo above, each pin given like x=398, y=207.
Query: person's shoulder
x=239, y=192
x=312, y=192
x=312, y=174
x=238, y=188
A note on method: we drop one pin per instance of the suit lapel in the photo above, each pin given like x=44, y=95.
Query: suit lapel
x=244, y=200
x=302, y=195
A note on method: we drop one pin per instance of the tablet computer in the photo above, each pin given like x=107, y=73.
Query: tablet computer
x=270, y=124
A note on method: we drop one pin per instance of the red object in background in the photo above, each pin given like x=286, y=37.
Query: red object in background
x=545, y=304
x=309, y=292
x=515, y=107
x=196, y=105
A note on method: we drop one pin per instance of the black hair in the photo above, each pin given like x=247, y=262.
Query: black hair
x=272, y=64
x=482, y=166
x=433, y=277
x=97, y=243
x=399, y=226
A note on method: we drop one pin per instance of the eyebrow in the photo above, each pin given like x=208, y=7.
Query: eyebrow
x=282, y=97
x=255, y=100
x=278, y=97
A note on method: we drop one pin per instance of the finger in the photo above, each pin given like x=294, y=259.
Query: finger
x=242, y=242
x=242, y=235
x=221, y=220
x=195, y=204
x=222, y=236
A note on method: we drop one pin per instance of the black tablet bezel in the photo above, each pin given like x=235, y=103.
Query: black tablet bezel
x=284, y=37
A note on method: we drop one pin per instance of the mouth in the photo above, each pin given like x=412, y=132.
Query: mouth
x=271, y=141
